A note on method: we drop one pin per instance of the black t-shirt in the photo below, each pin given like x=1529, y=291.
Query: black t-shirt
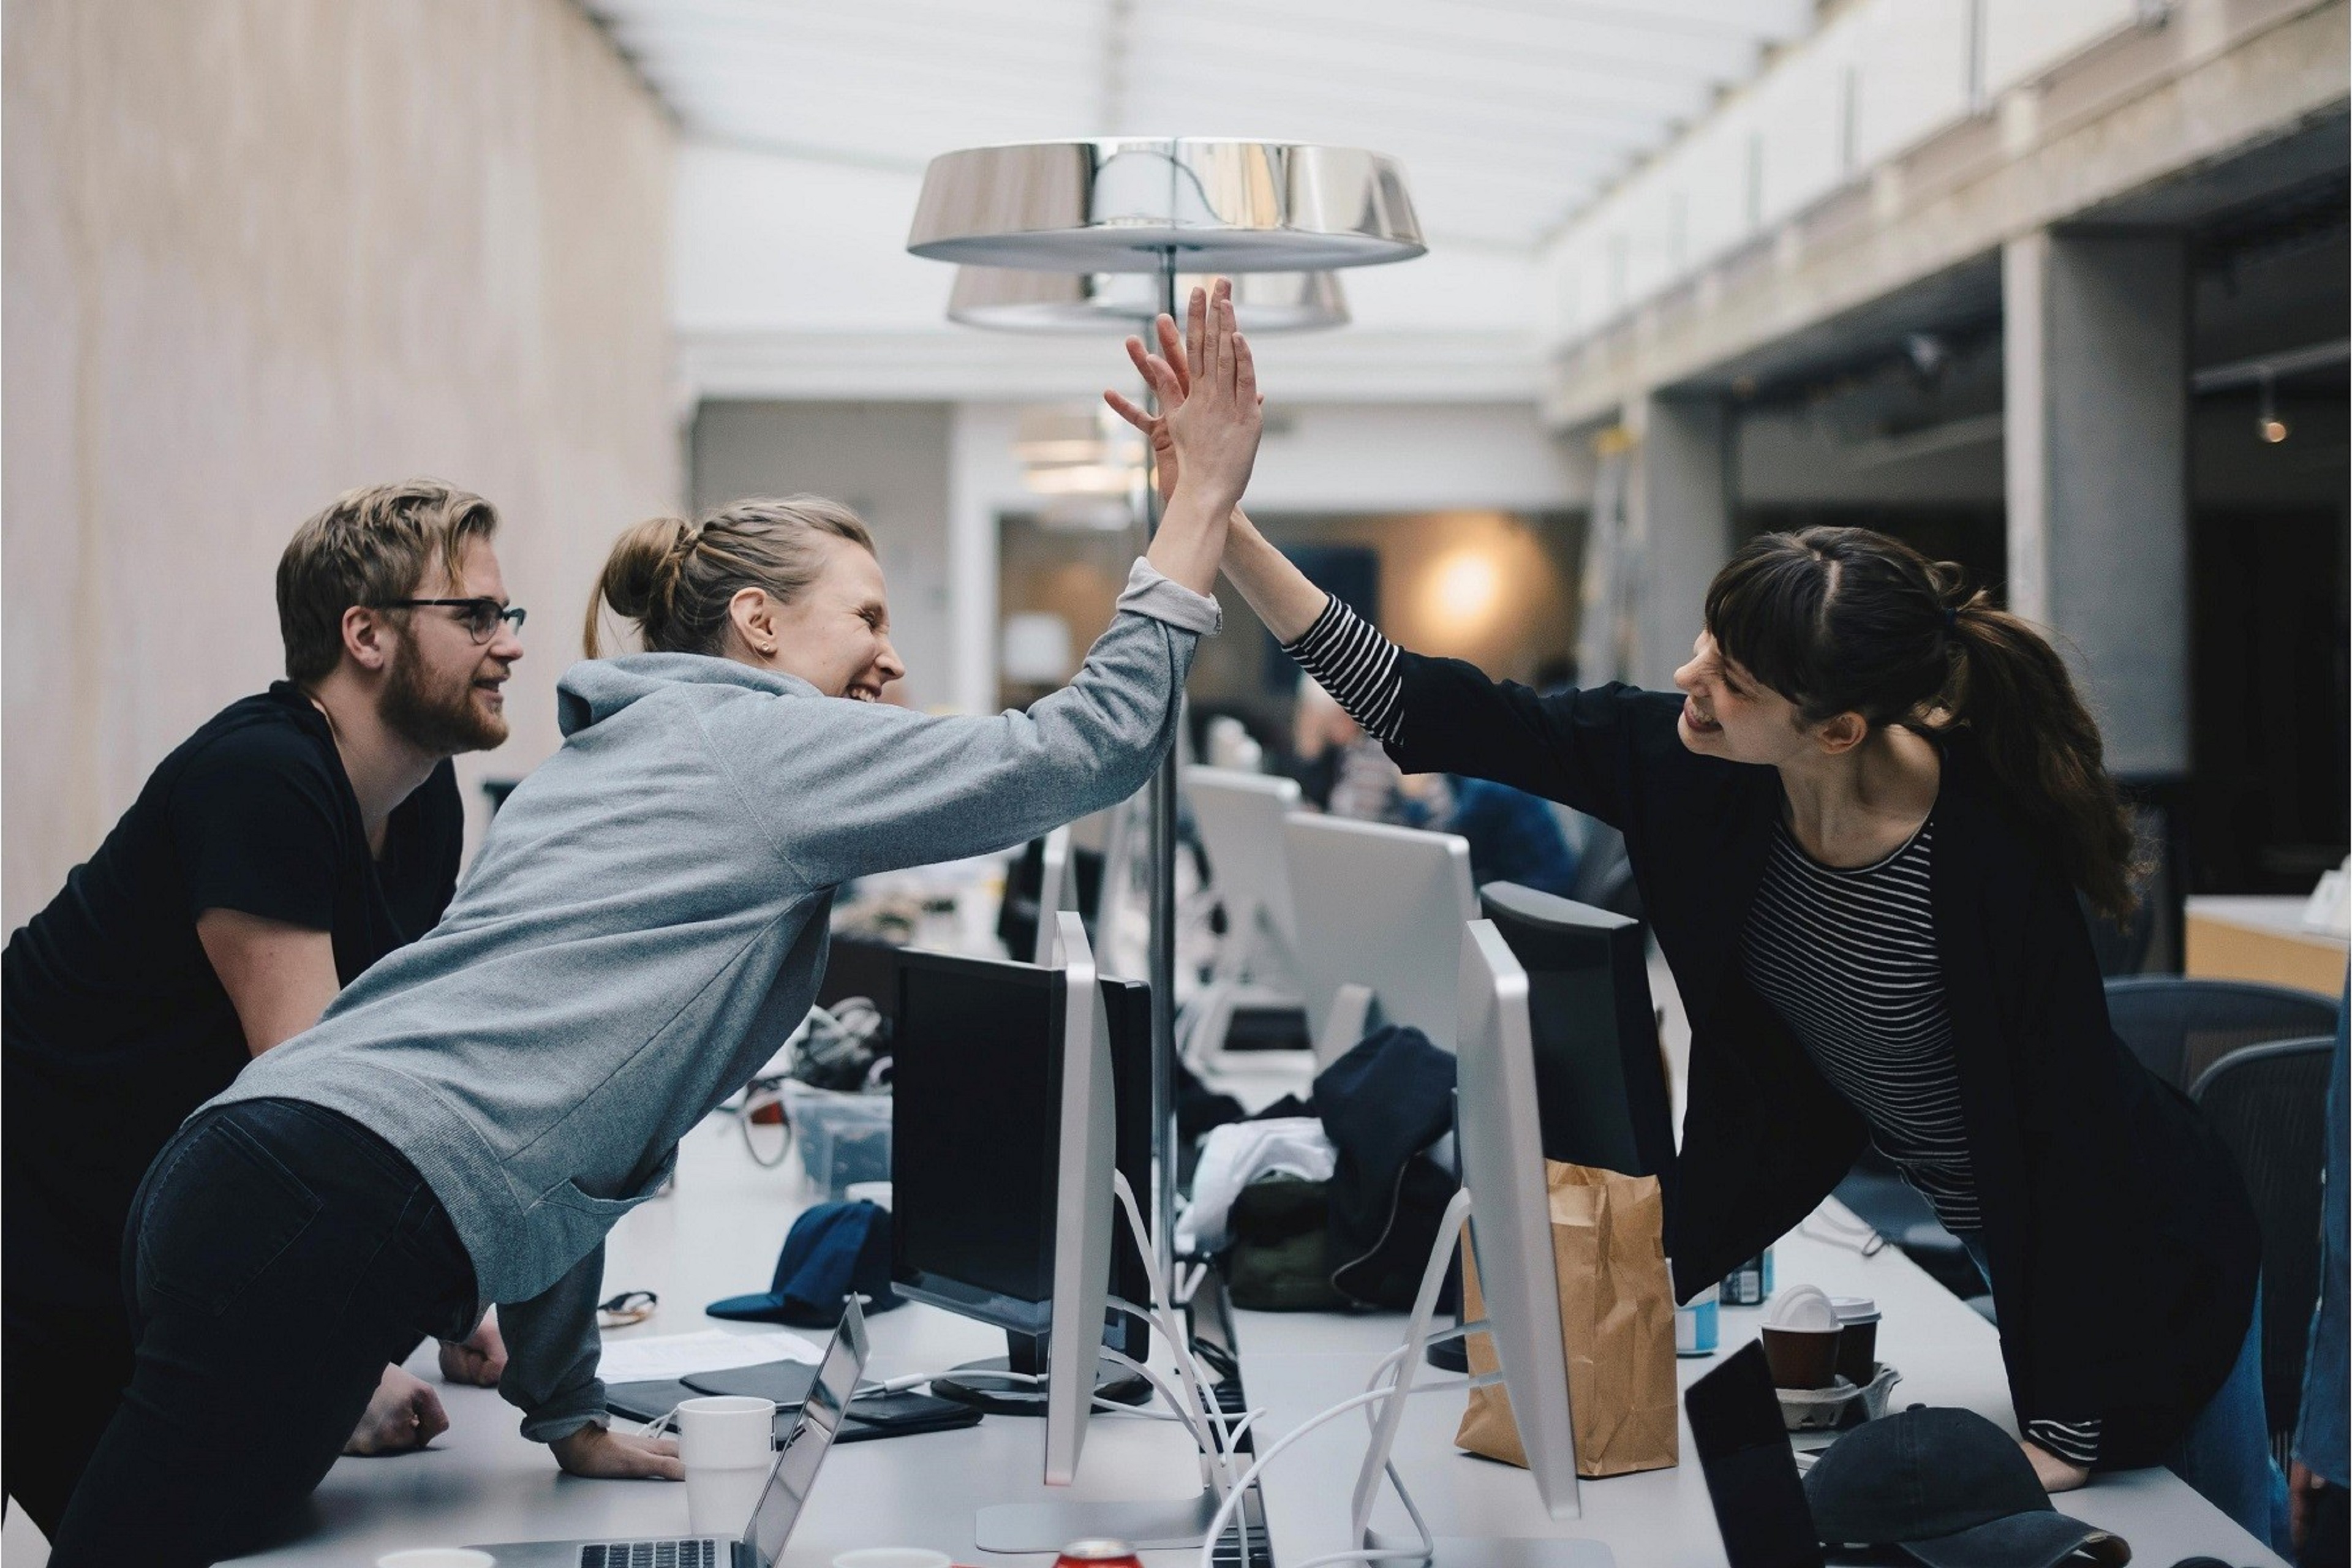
x=112, y=1023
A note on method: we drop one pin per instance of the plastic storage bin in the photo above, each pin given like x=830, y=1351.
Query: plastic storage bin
x=843, y=1138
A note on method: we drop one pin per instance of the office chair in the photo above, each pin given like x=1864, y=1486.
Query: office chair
x=1604, y=876
x=2269, y=1105
x=2178, y=1027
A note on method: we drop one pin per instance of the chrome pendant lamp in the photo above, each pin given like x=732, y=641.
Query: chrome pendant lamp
x=1169, y=206
x=1120, y=203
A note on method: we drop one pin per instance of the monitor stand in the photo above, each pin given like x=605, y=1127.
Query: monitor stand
x=1025, y=1354
x=1447, y=1551
x=1153, y=1524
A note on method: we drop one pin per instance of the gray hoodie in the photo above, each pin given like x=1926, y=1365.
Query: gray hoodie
x=648, y=922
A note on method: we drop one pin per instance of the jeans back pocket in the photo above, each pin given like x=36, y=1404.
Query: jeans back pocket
x=223, y=1212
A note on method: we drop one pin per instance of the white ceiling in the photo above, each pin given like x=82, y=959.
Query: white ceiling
x=1510, y=115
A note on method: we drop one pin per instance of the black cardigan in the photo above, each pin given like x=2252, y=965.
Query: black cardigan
x=2124, y=1248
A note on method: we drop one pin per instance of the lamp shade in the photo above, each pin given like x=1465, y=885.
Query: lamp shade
x=1122, y=204
x=1011, y=300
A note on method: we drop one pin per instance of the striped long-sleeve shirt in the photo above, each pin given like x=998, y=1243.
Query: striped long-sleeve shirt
x=1847, y=958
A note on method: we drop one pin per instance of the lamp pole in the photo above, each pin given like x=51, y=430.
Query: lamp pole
x=1161, y=961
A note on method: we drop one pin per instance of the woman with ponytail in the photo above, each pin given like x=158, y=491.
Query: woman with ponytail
x=646, y=923
x=1859, y=832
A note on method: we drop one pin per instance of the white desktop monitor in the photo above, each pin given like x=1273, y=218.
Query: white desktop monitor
x=1053, y=891
x=1500, y=1142
x=1239, y=817
x=1381, y=906
x=1083, y=1205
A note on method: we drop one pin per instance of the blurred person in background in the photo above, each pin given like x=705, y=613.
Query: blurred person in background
x=297, y=837
x=1514, y=836
x=1338, y=768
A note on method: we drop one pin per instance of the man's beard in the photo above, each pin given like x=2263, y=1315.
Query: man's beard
x=443, y=721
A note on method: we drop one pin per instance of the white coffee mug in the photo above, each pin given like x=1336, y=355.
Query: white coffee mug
x=727, y=1444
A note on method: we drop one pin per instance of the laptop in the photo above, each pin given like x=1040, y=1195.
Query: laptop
x=1751, y=1473
x=771, y=1525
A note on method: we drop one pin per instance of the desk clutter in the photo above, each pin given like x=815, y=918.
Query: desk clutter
x=978, y=1088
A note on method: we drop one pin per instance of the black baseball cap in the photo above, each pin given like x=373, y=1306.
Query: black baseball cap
x=1952, y=1490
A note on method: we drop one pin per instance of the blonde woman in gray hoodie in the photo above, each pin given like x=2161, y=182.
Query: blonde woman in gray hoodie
x=646, y=920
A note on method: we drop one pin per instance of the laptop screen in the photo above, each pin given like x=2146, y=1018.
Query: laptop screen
x=1752, y=1475
x=804, y=1449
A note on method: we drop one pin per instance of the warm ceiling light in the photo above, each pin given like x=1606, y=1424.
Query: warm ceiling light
x=2267, y=424
x=1466, y=589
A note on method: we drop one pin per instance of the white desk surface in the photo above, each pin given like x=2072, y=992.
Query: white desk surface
x=2279, y=915
x=719, y=1235
x=1296, y=1364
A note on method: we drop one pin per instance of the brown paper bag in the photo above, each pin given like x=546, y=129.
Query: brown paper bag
x=1616, y=1318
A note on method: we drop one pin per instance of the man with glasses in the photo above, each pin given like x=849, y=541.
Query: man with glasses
x=297, y=837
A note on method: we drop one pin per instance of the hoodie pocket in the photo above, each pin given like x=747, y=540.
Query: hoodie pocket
x=568, y=1194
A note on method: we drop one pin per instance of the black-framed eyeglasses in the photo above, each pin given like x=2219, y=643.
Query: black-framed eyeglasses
x=481, y=616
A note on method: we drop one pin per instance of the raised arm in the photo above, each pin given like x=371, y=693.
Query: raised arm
x=1434, y=715
x=890, y=788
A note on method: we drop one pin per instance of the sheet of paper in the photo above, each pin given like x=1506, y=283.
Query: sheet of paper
x=712, y=1350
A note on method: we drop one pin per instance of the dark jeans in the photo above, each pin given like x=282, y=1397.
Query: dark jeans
x=62, y=1368
x=278, y=1256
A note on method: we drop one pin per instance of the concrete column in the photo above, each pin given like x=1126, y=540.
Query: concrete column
x=2096, y=340
x=979, y=448
x=1677, y=525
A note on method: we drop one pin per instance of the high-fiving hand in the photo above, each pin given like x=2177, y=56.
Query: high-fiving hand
x=1207, y=434
x=1206, y=383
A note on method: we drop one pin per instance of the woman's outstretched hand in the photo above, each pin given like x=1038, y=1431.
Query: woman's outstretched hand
x=1164, y=465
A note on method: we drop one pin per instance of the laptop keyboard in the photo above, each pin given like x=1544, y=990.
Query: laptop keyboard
x=698, y=1554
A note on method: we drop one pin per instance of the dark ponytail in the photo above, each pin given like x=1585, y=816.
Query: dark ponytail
x=1844, y=620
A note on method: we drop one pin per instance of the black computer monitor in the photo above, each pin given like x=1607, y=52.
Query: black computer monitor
x=976, y=1095
x=1600, y=1086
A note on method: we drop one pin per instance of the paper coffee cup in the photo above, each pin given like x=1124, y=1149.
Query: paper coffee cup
x=726, y=1443
x=1857, y=1357
x=1800, y=1358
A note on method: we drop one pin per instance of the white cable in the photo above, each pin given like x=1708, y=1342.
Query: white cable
x=1391, y=1362
x=1459, y=1331
x=1221, y=1447
x=1178, y=1344
x=1421, y=1553
x=1202, y=1433
x=1224, y=1513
